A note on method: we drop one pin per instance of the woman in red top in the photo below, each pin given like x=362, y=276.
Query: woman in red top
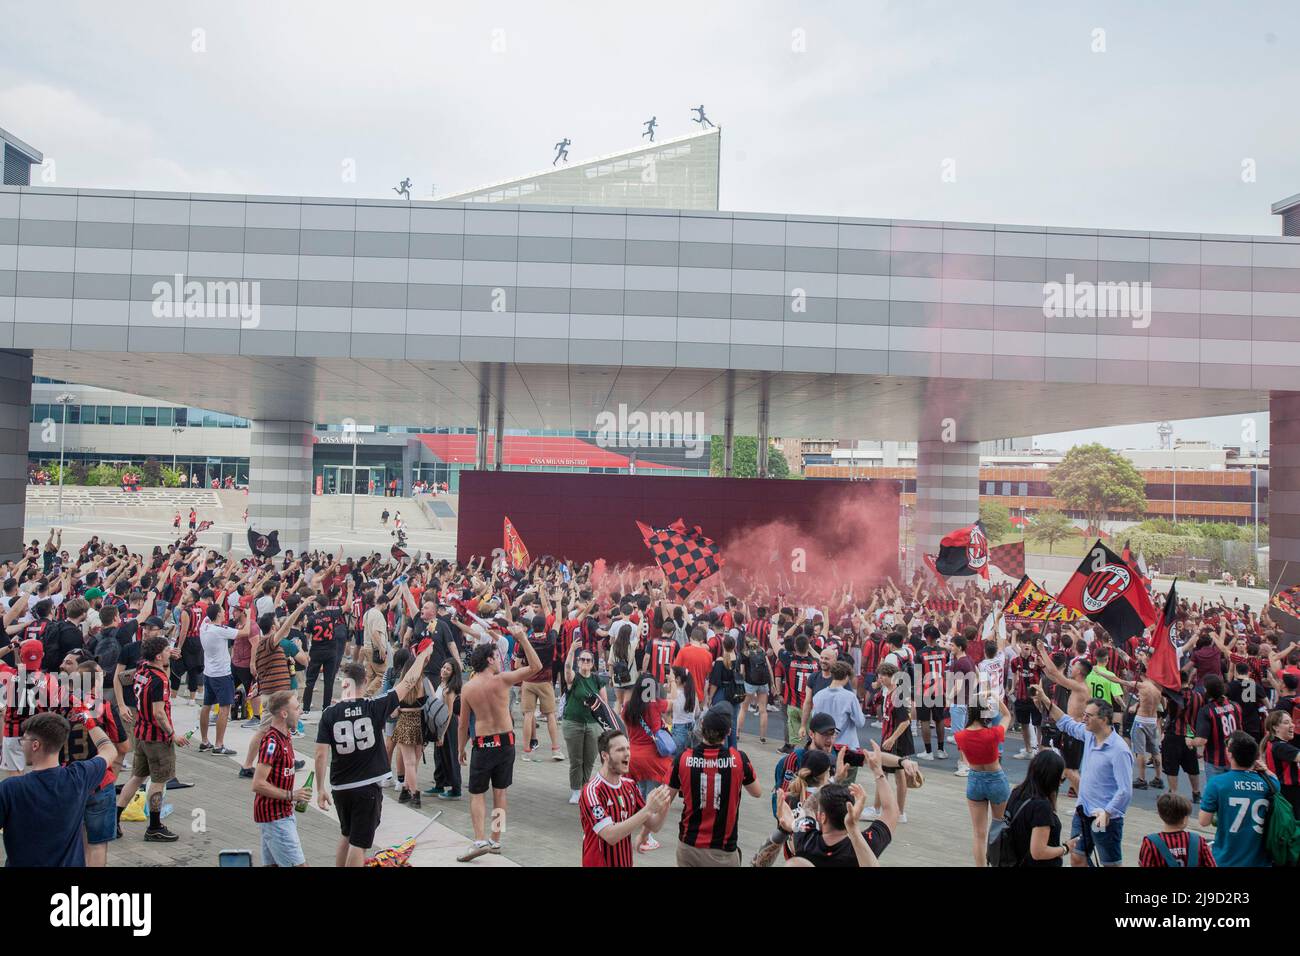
x=643, y=715
x=987, y=788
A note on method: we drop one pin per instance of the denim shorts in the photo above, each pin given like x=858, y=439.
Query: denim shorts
x=280, y=843
x=101, y=816
x=755, y=688
x=1108, y=841
x=990, y=785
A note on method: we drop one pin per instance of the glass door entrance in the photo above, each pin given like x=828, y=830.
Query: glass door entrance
x=344, y=480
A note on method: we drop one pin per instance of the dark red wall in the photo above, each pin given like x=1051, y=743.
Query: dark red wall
x=585, y=517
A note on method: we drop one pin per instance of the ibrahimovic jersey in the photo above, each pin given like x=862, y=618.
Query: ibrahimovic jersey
x=602, y=805
x=710, y=780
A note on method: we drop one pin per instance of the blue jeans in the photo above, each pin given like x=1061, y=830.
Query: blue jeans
x=735, y=717
x=957, y=712
x=1108, y=842
x=681, y=735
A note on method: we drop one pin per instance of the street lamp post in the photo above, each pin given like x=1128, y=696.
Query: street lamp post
x=353, y=524
x=1174, y=450
x=176, y=431
x=65, y=400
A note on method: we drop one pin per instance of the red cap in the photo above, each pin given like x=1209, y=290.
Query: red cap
x=31, y=652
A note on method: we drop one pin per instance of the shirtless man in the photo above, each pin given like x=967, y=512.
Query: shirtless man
x=486, y=697
x=1146, y=732
x=1071, y=748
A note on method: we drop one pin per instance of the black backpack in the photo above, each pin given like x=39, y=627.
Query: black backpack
x=756, y=669
x=1002, y=845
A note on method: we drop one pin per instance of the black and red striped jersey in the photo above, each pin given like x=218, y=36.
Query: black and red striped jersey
x=796, y=672
x=1216, y=723
x=1149, y=854
x=603, y=804
x=1185, y=719
x=26, y=694
x=151, y=687
x=1280, y=756
x=275, y=752
x=930, y=665
x=36, y=630
x=1027, y=672
x=79, y=746
x=870, y=655
x=662, y=652
x=710, y=780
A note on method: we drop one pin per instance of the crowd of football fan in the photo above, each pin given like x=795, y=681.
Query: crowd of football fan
x=644, y=693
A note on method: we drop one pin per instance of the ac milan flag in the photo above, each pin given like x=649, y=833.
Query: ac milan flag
x=1106, y=589
x=1009, y=558
x=1287, y=601
x=264, y=545
x=964, y=551
x=1138, y=564
x=1163, y=667
x=685, y=556
x=516, y=553
x=397, y=553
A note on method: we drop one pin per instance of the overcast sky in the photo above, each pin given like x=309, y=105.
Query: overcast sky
x=831, y=108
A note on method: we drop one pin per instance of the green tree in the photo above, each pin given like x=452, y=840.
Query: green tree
x=996, y=519
x=1098, y=482
x=1051, y=526
x=744, y=458
x=172, y=477
x=151, y=472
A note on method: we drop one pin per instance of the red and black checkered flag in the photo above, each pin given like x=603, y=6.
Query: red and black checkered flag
x=1009, y=558
x=685, y=556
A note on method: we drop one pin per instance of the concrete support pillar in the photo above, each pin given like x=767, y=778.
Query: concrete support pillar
x=15, y=418
x=763, y=410
x=947, y=490
x=729, y=426
x=1284, y=498
x=280, y=481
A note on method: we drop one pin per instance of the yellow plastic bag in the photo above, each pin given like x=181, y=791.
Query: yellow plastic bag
x=134, y=812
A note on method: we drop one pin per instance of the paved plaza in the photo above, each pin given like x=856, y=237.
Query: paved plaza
x=542, y=829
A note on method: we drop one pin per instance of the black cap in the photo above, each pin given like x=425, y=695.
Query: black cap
x=152, y=621
x=821, y=723
x=716, y=722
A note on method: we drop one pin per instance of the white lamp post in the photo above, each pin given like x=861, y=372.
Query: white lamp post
x=65, y=399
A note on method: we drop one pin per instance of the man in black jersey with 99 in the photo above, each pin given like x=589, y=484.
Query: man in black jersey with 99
x=351, y=734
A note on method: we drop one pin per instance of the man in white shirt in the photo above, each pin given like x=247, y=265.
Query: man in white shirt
x=218, y=682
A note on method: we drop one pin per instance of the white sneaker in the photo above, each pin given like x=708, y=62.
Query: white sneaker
x=1023, y=755
x=941, y=755
x=924, y=756
x=573, y=797
x=870, y=813
x=876, y=724
x=902, y=818
x=961, y=772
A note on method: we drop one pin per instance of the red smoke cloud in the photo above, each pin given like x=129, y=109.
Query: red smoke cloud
x=853, y=542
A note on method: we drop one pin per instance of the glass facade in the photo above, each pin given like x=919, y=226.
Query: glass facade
x=680, y=173
x=164, y=416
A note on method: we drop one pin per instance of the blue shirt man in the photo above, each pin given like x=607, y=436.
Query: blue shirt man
x=1105, y=782
x=842, y=705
